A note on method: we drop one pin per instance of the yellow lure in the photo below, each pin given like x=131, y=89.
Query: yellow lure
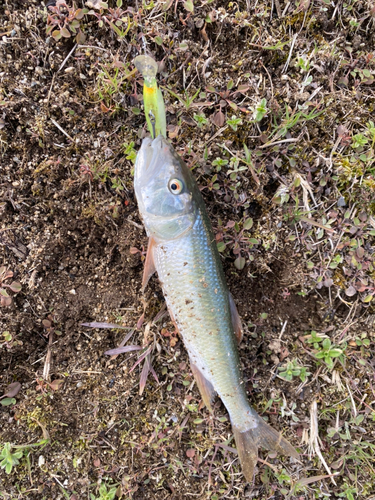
x=152, y=96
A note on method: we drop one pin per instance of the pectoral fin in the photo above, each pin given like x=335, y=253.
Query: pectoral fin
x=205, y=387
x=236, y=320
x=149, y=268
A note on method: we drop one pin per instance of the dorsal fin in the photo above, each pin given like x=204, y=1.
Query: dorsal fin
x=236, y=320
x=149, y=268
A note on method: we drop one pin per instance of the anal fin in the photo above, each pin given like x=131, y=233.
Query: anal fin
x=236, y=320
x=149, y=268
x=205, y=387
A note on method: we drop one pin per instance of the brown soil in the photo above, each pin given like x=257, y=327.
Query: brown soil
x=67, y=236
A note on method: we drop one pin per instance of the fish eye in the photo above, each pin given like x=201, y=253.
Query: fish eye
x=175, y=186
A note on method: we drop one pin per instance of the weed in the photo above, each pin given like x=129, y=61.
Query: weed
x=50, y=325
x=229, y=94
x=298, y=115
x=5, y=299
x=288, y=412
x=145, y=352
x=109, y=86
x=65, y=21
x=234, y=235
x=235, y=168
x=349, y=492
x=292, y=369
x=12, y=390
x=234, y=122
x=260, y=110
x=188, y=101
x=106, y=492
x=358, y=141
x=9, y=340
x=219, y=163
x=315, y=338
x=8, y=459
x=328, y=352
x=129, y=151
x=303, y=64
x=200, y=119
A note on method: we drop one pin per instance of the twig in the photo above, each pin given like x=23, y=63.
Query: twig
x=66, y=59
x=314, y=438
x=278, y=9
x=219, y=132
x=290, y=53
x=269, y=76
x=91, y=47
x=61, y=129
x=269, y=144
x=50, y=89
x=352, y=400
x=134, y=223
x=47, y=362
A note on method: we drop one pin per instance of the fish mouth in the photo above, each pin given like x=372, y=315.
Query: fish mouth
x=152, y=150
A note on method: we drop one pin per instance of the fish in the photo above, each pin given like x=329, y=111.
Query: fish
x=182, y=250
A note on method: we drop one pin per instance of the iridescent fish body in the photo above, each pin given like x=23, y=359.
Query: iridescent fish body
x=183, y=251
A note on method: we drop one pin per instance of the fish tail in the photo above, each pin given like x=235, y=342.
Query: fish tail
x=262, y=435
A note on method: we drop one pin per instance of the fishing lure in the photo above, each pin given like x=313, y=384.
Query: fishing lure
x=152, y=96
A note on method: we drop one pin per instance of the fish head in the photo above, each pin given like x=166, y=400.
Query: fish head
x=164, y=187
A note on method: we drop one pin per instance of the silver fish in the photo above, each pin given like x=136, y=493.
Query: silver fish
x=183, y=251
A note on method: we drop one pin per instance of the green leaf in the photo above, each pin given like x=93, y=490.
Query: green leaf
x=56, y=34
x=221, y=246
x=222, y=419
x=189, y=6
x=335, y=353
x=7, y=401
x=198, y=420
x=15, y=287
x=240, y=263
x=79, y=14
x=326, y=344
x=80, y=38
x=65, y=33
x=248, y=224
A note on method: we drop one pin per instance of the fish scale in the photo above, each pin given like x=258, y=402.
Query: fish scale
x=197, y=297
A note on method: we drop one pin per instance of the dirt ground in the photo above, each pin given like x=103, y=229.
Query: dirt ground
x=71, y=121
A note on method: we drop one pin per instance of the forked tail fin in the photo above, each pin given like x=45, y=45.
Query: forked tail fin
x=263, y=435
